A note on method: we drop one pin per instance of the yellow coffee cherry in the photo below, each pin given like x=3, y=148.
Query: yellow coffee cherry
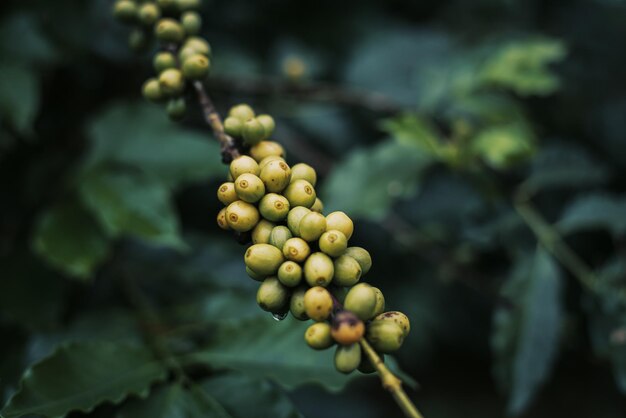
x=300, y=193
x=241, y=216
x=304, y=172
x=243, y=112
x=261, y=232
x=274, y=207
x=269, y=158
x=242, y=165
x=192, y=22
x=361, y=300
x=318, y=206
x=226, y=193
x=398, y=318
x=318, y=337
x=149, y=13
x=347, y=271
x=319, y=270
x=296, y=304
x=333, y=243
x=346, y=328
x=312, y=226
x=196, y=67
x=296, y=249
x=294, y=217
x=169, y=30
x=221, y=219
x=362, y=256
x=265, y=149
x=249, y=187
x=384, y=336
x=275, y=175
x=272, y=296
x=341, y=222
x=264, y=259
x=347, y=358
x=172, y=82
x=268, y=125
x=197, y=44
x=318, y=303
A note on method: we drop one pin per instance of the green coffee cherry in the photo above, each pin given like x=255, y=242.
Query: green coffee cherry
x=304, y=172
x=263, y=259
x=185, y=5
x=233, y=126
x=366, y=366
x=149, y=13
x=318, y=206
x=274, y=207
x=317, y=336
x=241, y=216
x=198, y=44
x=361, y=300
x=196, y=67
x=221, y=219
x=252, y=132
x=346, y=328
x=296, y=249
x=275, y=175
x=280, y=235
x=333, y=243
x=347, y=271
x=172, y=82
x=341, y=222
x=272, y=296
x=192, y=22
x=226, y=193
x=268, y=125
x=163, y=61
x=249, y=187
x=398, y=318
x=151, y=90
x=385, y=336
x=362, y=256
x=176, y=108
x=299, y=193
x=348, y=358
x=137, y=40
x=269, y=158
x=296, y=304
x=265, y=149
x=261, y=232
x=243, y=164
x=253, y=275
x=294, y=217
x=125, y=10
x=169, y=30
x=290, y=274
x=243, y=112
x=318, y=303
x=380, y=303
x=312, y=226
x=319, y=270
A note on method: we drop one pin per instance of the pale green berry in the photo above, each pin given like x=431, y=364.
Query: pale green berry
x=265, y=149
x=348, y=358
x=380, y=304
x=151, y=90
x=280, y=234
x=398, y=318
x=169, y=30
x=296, y=304
x=221, y=219
x=196, y=67
x=312, y=226
x=263, y=258
x=176, y=108
x=362, y=256
x=125, y=10
x=341, y=222
x=233, y=126
x=242, y=165
x=226, y=193
x=192, y=22
x=261, y=232
x=274, y=207
x=361, y=300
x=243, y=112
x=319, y=270
x=300, y=193
x=253, y=275
x=272, y=296
x=198, y=44
x=384, y=336
x=268, y=125
x=347, y=271
x=241, y=216
x=290, y=274
x=149, y=13
x=252, y=132
x=333, y=243
x=303, y=171
x=294, y=217
x=267, y=159
x=318, y=337
x=249, y=188
x=318, y=206
x=275, y=175
x=318, y=303
x=296, y=249
x=163, y=61
x=172, y=82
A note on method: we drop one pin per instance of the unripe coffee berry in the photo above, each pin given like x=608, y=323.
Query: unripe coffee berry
x=318, y=303
x=254, y=275
x=163, y=61
x=362, y=256
x=196, y=67
x=318, y=206
x=296, y=304
x=290, y=274
x=346, y=328
x=312, y=226
x=252, y=131
x=280, y=234
x=263, y=259
x=268, y=125
x=398, y=318
x=125, y=10
x=249, y=188
x=265, y=149
x=269, y=158
x=261, y=232
x=294, y=217
x=361, y=300
x=243, y=164
x=380, y=303
x=176, y=108
x=221, y=219
x=333, y=243
x=172, y=82
x=198, y=44
x=319, y=270
x=233, y=126
x=303, y=171
x=385, y=336
x=149, y=13
x=347, y=271
x=226, y=193
x=151, y=90
x=241, y=216
x=243, y=112
x=318, y=337
x=341, y=222
x=192, y=22
x=296, y=249
x=347, y=358
x=275, y=175
x=169, y=30
x=274, y=207
x=300, y=193
x=272, y=296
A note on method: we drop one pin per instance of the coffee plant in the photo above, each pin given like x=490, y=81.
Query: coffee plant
x=174, y=254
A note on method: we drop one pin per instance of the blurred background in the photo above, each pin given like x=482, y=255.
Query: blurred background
x=479, y=146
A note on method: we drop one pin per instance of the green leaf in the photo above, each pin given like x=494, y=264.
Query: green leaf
x=413, y=129
x=271, y=349
x=141, y=136
x=595, y=211
x=369, y=180
x=503, y=146
x=526, y=332
x=174, y=401
x=130, y=203
x=82, y=376
x=523, y=66
x=19, y=94
x=70, y=239
x=263, y=400
x=33, y=46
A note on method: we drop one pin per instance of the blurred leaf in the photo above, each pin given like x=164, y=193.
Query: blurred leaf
x=262, y=399
x=527, y=329
x=523, y=66
x=70, y=239
x=33, y=46
x=81, y=376
x=19, y=94
x=131, y=204
x=503, y=146
x=595, y=211
x=367, y=182
x=413, y=129
x=174, y=401
x=141, y=136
